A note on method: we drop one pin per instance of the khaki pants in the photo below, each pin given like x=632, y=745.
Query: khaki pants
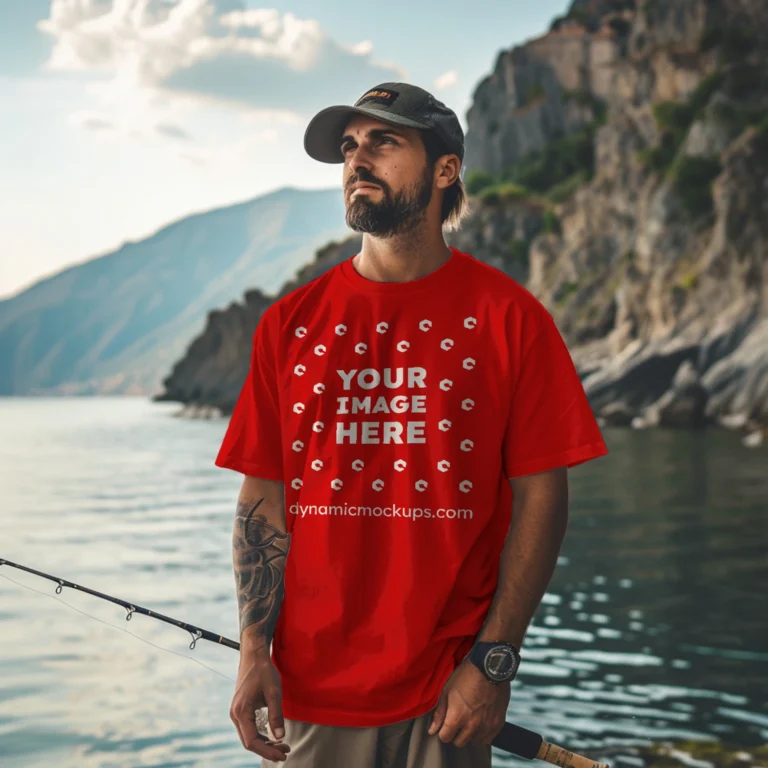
x=405, y=744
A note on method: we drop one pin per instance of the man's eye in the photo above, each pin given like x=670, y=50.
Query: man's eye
x=345, y=147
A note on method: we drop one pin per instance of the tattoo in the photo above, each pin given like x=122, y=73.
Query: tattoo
x=259, y=551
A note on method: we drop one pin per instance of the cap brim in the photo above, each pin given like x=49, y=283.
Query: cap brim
x=322, y=139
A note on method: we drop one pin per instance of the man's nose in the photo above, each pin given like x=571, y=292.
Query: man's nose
x=359, y=156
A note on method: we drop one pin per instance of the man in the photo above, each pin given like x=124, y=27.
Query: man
x=406, y=427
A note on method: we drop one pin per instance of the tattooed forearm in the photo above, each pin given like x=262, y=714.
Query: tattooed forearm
x=259, y=553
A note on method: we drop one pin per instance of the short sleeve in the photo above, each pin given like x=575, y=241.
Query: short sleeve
x=551, y=423
x=252, y=443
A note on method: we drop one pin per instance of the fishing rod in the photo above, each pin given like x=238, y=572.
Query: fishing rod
x=512, y=738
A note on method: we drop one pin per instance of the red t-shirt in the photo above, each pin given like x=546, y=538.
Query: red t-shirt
x=395, y=414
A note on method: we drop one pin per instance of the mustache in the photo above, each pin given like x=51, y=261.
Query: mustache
x=364, y=181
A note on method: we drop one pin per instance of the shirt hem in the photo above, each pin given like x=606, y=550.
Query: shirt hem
x=569, y=458
x=249, y=468
x=354, y=719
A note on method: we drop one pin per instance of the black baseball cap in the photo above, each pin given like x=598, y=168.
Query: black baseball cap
x=397, y=103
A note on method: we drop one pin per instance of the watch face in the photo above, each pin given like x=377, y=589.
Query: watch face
x=501, y=663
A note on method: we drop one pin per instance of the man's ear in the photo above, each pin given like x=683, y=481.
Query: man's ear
x=448, y=166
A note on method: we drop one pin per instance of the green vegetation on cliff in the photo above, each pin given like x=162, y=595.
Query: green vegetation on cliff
x=739, y=80
x=674, y=119
x=551, y=174
x=692, y=178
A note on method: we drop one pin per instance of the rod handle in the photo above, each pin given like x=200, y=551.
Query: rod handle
x=551, y=753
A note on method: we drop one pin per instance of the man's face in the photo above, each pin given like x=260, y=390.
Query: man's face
x=393, y=159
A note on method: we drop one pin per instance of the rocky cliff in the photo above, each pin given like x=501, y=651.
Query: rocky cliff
x=655, y=263
x=618, y=166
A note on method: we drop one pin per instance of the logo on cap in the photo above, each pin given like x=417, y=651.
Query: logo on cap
x=380, y=96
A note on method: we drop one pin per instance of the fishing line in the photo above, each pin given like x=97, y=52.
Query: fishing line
x=114, y=626
x=512, y=738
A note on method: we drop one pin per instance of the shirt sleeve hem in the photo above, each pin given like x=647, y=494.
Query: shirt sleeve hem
x=252, y=469
x=569, y=458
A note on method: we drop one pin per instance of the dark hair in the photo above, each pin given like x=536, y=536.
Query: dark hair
x=455, y=201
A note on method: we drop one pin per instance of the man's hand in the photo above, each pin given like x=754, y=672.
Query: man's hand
x=258, y=685
x=470, y=710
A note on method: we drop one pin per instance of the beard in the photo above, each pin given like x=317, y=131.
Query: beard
x=394, y=214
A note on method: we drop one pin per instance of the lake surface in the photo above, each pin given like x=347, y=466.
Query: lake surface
x=655, y=625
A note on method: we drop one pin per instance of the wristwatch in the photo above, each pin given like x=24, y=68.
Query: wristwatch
x=499, y=661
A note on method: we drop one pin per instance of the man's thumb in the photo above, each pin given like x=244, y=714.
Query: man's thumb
x=438, y=716
x=274, y=706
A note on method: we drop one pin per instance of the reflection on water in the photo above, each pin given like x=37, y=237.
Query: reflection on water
x=654, y=626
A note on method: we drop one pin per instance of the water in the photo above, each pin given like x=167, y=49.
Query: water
x=654, y=627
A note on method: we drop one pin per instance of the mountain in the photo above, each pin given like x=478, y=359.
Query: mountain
x=116, y=322
x=617, y=168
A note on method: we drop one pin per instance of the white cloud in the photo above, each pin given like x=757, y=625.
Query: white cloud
x=296, y=42
x=210, y=48
x=158, y=67
x=447, y=79
x=136, y=38
x=363, y=48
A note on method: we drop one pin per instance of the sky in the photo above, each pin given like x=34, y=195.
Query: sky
x=118, y=117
